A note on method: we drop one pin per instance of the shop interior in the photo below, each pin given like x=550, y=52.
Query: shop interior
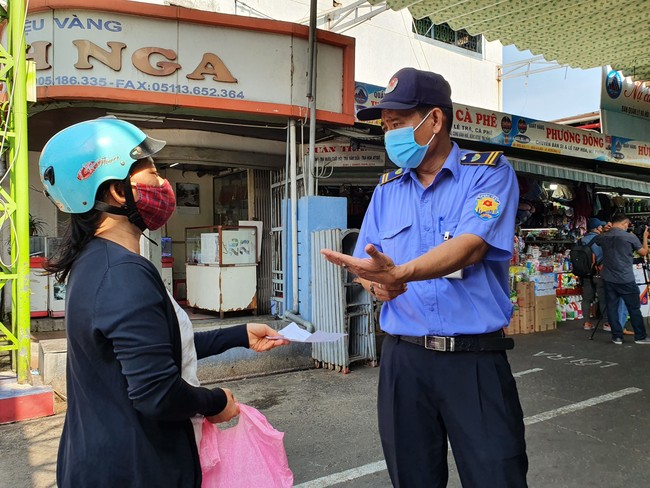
x=552, y=216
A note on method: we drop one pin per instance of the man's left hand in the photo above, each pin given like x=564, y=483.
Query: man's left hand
x=383, y=292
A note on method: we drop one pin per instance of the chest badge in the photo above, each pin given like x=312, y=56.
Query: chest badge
x=487, y=206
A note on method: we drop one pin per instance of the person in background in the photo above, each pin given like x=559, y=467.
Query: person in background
x=622, y=310
x=593, y=286
x=435, y=245
x=128, y=403
x=618, y=245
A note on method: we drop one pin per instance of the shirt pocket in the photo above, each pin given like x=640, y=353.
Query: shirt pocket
x=446, y=230
x=396, y=242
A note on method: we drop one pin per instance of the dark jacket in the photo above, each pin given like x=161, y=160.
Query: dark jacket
x=127, y=421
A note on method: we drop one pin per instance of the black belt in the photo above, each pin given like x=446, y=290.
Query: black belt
x=494, y=341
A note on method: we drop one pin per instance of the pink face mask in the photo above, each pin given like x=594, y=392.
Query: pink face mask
x=156, y=204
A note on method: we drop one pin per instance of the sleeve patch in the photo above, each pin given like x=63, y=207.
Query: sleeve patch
x=487, y=206
x=481, y=158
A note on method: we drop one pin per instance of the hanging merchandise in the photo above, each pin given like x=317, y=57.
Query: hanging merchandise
x=583, y=202
x=536, y=192
x=619, y=202
x=563, y=194
x=606, y=210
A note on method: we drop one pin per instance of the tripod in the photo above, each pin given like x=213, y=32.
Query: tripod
x=600, y=319
x=603, y=312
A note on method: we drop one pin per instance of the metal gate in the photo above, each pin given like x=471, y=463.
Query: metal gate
x=340, y=305
x=279, y=207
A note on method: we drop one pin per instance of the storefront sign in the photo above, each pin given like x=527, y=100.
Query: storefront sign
x=535, y=135
x=343, y=155
x=520, y=132
x=504, y=129
x=624, y=105
x=185, y=58
x=365, y=96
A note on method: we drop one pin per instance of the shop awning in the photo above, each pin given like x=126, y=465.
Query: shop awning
x=553, y=172
x=583, y=34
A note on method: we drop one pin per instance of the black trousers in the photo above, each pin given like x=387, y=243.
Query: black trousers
x=471, y=398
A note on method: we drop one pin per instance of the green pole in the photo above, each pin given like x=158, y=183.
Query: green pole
x=19, y=157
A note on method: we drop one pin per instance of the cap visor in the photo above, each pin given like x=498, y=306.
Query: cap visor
x=151, y=146
x=373, y=113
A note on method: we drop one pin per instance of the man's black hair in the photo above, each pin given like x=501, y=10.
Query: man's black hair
x=619, y=217
x=446, y=111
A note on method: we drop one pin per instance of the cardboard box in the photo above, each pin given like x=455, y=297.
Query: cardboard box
x=525, y=294
x=544, y=324
x=526, y=320
x=546, y=302
x=544, y=313
x=526, y=290
x=514, y=327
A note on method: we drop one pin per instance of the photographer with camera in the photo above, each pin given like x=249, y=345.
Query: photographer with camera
x=618, y=245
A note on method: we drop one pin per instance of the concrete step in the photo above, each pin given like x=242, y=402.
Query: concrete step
x=23, y=401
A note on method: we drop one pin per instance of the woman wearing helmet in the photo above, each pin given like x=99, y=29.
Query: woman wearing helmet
x=129, y=399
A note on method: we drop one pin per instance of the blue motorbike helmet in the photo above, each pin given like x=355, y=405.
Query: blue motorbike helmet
x=78, y=159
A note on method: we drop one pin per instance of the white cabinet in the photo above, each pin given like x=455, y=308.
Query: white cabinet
x=38, y=285
x=166, y=275
x=56, y=291
x=222, y=289
x=221, y=268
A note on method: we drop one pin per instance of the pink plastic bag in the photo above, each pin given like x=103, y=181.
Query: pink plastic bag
x=249, y=455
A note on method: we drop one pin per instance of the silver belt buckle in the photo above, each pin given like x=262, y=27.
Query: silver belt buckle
x=439, y=343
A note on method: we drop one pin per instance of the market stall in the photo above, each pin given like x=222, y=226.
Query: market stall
x=551, y=219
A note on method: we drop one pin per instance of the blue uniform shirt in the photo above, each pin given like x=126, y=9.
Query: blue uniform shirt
x=405, y=220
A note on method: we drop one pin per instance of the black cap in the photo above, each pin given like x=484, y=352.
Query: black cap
x=409, y=88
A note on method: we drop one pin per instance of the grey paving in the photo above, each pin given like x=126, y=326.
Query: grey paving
x=329, y=418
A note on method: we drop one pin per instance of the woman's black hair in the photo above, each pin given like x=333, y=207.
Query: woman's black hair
x=80, y=231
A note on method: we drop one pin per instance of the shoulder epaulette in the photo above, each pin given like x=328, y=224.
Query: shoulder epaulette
x=393, y=175
x=481, y=158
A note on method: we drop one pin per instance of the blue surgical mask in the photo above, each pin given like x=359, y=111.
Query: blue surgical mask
x=403, y=149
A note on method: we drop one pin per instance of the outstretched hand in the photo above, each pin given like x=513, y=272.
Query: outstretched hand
x=257, y=337
x=379, y=267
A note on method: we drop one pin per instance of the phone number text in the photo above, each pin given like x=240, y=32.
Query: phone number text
x=139, y=85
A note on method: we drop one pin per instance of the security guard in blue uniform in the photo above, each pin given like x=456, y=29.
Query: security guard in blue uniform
x=435, y=245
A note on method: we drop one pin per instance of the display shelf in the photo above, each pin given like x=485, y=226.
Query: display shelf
x=632, y=214
x=549, y=241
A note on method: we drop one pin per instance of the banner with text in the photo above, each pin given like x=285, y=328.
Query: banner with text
x=504, y=129
x=345, y=155
x=624, y=105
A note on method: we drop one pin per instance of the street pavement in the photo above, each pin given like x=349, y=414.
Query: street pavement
x=585, y=402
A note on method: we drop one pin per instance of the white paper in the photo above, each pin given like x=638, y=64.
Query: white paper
x=293, y=332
